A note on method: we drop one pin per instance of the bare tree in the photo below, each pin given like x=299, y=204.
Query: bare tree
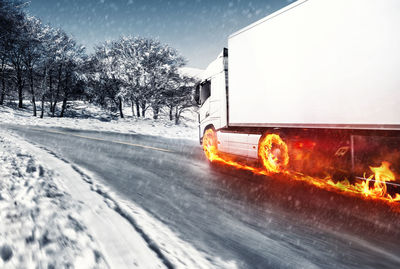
x=106, y=76
x=179, y=96
x=139, y=71
x=73, y=73
x=47, y=63
x=16, y=56
x=148, y=66
x=32, y=45
x=11, y=15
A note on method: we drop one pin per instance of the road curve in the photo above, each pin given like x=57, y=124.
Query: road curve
x=256, y=221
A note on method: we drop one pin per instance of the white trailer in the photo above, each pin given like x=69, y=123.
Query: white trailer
x=325, y=71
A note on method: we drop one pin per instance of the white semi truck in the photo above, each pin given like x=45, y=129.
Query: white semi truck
x=324, y=75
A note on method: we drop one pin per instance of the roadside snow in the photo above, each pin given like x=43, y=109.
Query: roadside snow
x=86, y=116
x=41, y=226
x=112, y=231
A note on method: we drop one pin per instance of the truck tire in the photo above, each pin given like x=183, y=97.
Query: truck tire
x=273, y=153
x=210, y=144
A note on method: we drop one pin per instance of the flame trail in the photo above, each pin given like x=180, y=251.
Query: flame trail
x=274, y=155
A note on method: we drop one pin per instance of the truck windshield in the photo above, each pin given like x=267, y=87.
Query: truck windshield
x=205, y=91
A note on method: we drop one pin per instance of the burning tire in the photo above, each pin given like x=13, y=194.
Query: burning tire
x=273, y=153
x=210, y=144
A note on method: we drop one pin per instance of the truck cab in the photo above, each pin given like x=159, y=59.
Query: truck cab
x=213, y=95
x=213, y=98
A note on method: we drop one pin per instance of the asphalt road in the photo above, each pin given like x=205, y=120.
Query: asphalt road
x=258, y=222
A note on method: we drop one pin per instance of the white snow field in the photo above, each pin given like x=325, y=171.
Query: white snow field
x=55, y=215
x=86, y=116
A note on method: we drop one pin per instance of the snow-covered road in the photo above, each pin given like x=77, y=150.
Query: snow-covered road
x=218, y=216
x=88, y=227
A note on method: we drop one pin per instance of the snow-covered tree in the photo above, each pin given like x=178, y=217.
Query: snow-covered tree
x=66, y=50
x=50, y=65
x=11, y=16
x=179, y=95
x=146, y=67
x=73, y=65
x=17, y=43
x=105, y=76
x=47, y=63
x=127, y=51
x=32, y=42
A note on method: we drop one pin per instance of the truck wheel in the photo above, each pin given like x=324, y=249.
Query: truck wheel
x=273, y=153
x=210, y=144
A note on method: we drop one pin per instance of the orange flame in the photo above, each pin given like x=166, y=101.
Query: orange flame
x=382, y=175
x=273, y=152
x=210, y=145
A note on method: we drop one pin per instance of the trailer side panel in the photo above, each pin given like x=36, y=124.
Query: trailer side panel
x=318, y=63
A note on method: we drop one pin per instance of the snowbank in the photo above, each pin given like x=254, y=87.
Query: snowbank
x=86, y=116
x=40, y=225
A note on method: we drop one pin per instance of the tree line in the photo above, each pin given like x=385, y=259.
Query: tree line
x=47, y=65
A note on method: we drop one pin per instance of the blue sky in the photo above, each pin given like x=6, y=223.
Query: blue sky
x=197, y=28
